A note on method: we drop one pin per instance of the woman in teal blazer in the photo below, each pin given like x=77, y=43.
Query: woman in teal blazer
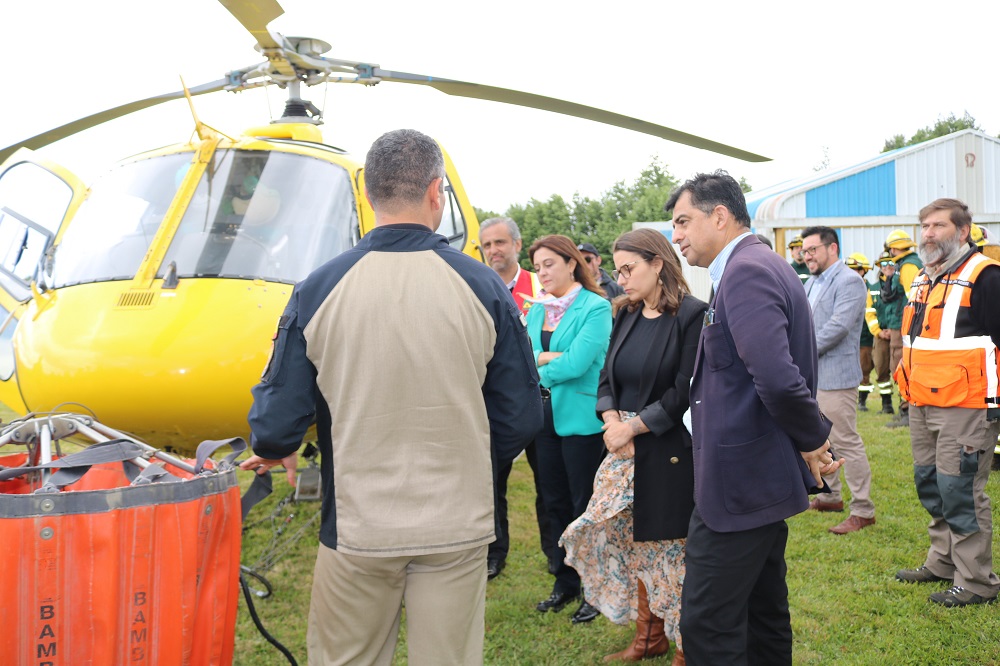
x=569, y=327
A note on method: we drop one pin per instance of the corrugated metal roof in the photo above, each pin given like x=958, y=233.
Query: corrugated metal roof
x=870, y=192
x=965, y=165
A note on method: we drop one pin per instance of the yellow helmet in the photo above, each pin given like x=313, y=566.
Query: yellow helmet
x=885, y=258
x=977, y=235
x=795, y=242
x=858, y=260
x=899, y=240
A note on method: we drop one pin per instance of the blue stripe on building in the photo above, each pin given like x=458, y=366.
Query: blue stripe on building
x=869, y=192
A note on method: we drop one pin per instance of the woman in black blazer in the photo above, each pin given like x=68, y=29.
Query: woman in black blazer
x=629, y=544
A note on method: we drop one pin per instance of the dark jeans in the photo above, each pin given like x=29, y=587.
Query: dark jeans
x=499, y=548
x=735, y=600
x=566, y=470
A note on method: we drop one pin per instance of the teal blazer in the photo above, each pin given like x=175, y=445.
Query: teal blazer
x=582, y=336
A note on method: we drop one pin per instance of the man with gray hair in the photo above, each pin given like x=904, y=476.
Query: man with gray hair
x=948, y=372
x=500, y=242
x=414, y=413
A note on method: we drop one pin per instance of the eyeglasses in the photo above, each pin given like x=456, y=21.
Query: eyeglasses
x=810, y=251
x=589, y=258
x=625, y=270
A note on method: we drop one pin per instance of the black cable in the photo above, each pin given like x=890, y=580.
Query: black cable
x=260, y=627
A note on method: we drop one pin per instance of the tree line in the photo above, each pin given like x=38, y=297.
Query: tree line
x=601, y=220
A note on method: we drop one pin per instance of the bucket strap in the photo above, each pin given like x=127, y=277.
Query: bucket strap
x=73, y=467
x=210, y=446
x=258, y=490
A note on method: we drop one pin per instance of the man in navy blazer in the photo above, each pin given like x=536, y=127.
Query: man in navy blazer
x=759, y=439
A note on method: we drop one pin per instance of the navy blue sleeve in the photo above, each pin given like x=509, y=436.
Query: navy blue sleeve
x=284, y=402
x=513, y=401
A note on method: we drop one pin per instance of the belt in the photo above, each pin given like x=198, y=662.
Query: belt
x=546, y=393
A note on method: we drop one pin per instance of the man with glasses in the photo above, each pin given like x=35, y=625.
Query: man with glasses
x=593, y=258
x=759, y=440
x=837, y=296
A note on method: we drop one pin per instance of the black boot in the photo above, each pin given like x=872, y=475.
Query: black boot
x=887, y=404
x=862, y=399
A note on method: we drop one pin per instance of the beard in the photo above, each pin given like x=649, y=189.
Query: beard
x=933, y=253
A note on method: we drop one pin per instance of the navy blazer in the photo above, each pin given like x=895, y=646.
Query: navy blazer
x=753, y=396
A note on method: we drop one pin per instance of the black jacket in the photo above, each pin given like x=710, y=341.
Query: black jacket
x=664, y=473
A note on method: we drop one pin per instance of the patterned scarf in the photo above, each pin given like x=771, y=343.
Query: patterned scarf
x=555, y=308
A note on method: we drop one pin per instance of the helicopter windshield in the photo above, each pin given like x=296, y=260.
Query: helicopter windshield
x=115, y=225
x=264, y=214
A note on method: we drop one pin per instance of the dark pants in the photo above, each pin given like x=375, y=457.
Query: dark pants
x=499, y=548
x=566, y=470
x=735, y=600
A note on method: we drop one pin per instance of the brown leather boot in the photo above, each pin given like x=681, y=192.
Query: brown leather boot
x=678, y=659
x=650, y=640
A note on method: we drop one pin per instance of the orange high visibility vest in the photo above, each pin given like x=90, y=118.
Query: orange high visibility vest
x=948, y=361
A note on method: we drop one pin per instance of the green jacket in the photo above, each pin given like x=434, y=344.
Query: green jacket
x=582, y=336
x=802, y=270
x=894, y=293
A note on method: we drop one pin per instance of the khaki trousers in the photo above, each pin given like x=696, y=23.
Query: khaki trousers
x=838, y=406
x=357, y=604
x=952, y=452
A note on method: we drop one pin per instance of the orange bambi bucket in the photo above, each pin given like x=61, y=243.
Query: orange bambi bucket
x=117, y=567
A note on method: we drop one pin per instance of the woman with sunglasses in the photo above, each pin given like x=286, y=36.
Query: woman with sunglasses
x=629, y=544
x=569, y=326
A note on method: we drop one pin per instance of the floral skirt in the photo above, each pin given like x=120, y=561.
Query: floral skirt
x=599, y=546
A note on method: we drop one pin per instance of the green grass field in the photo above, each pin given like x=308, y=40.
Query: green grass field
x=846, y=606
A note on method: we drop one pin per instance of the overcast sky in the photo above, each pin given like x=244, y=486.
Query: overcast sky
x=783, y=79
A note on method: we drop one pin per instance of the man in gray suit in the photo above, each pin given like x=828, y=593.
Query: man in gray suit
x=837, y=297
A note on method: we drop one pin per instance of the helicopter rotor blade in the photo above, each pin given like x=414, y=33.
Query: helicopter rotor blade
x=518, y=98
x=254, y=15
x=53, y=135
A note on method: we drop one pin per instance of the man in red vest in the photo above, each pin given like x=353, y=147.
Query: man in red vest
x=500, y=240
x=948, y=373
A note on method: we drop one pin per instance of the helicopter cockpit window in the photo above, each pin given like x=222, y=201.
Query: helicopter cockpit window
x=115, y=225
x=33, y=202
x=264, y=214
x=452, y=222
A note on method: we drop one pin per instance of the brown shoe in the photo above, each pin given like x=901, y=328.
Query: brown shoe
x=817, y=505
x=852, y=524
x=678, y=659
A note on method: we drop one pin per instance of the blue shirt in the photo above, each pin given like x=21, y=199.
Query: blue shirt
x=718, y=265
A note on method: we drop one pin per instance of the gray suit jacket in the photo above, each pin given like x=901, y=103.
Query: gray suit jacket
x=837, y=317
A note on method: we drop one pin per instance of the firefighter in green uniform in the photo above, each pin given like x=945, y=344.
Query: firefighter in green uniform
x=869, y=328
x=886, y=316
x=896, y=291
x=798, y=262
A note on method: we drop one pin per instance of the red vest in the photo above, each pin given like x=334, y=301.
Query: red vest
x=527, y=285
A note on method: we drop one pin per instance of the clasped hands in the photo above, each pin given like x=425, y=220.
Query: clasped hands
x=821, y=462
x=619, y=438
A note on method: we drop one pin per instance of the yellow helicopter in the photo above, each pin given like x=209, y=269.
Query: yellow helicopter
x=151, y=296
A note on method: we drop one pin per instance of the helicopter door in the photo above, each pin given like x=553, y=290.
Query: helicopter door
x=37, y=200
